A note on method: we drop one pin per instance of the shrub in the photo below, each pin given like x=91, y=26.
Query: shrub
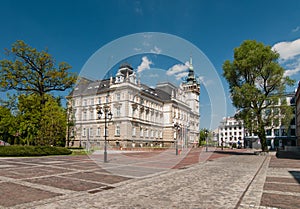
x=26, y=151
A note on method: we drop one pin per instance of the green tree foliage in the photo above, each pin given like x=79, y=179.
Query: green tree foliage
x=204, y=133
x=31, y=71
x=256, y=83
x=53, y=124
x=33, y=75
x=46, y=126
x=7, y=125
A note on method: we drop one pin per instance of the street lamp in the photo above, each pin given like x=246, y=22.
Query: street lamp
x=177, y=129
x=107, y=115
x=206, y=134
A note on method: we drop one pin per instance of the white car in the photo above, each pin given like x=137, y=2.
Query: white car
x=3, y=143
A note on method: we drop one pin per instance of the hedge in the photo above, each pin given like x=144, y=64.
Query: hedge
x=26, y=151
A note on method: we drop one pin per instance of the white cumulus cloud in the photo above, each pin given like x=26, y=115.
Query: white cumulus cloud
x=287, y=50
x=156, y=50
x=145, y=65
x=293, y=69
x=175, y=69
x=181, y=75
x=289, y=56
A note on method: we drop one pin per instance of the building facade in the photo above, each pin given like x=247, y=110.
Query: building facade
x=141, y=115
x=277, y=134
x=231, y=133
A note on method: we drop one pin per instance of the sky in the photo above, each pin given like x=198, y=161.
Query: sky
x=74, y=31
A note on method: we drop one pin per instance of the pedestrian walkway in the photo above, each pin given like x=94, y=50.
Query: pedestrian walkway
x=282, y=184
x=194, y=179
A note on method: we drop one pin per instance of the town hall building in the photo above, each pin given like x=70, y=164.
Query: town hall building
x=134, y=114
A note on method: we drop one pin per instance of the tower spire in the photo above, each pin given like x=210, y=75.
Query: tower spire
x=191, y=75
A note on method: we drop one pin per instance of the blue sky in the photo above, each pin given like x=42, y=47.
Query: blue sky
x=74, y=30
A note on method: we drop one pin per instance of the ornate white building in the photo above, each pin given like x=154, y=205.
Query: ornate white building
x=141, y=116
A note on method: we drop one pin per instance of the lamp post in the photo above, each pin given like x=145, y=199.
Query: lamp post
x=107, y=115
x=177, y=128
x=206, y=133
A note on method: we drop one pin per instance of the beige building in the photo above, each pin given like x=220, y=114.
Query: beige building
x=141, y=115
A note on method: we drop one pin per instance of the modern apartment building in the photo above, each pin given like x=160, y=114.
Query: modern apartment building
x=277, y=134
x=231, y=133
x=140, y=115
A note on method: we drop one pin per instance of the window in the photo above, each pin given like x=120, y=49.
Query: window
x=84, y=115
x=91, y=114
x=117, y=133
x=90, y=131
x=146, y=133
x=152, y=133
x=99, y=100
x=83, y=132
x=160, y=134
x=118, y=111
x=293, y=132
x=98, y=131
x=118, y=97
x=141, y=132
x=84, y=102
x=269, y=132
x=92, y=101
x=156, y=134
x=105, y=132
x=293, y=122
x=133, y=131
x=276, y=132
x=283, y=132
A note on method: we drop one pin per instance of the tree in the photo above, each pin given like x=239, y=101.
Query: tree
x=53, y=124
x=7, y=125
x=46, y=126
x=257, y=82
x=203, y=135
x=31, y=71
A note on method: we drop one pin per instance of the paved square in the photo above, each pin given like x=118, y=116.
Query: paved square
x=13, y=194
x=194, y=179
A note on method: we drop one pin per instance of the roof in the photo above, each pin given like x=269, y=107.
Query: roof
x=88, y=87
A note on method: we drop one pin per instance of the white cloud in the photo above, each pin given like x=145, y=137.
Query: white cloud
x=181, y=75
x=289, y=55
x=296, y=29
x=177, y=68
x=137, y=49
x=145, y=65
x=156, y=50
x=294, y=68
x=287, y=50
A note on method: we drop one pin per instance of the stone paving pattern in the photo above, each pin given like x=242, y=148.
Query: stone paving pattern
x=194, y=179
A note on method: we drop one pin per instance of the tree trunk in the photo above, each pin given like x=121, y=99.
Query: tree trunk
x=263, y=139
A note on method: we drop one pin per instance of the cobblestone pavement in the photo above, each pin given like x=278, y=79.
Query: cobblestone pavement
x=194, y=179
x=282, y=185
